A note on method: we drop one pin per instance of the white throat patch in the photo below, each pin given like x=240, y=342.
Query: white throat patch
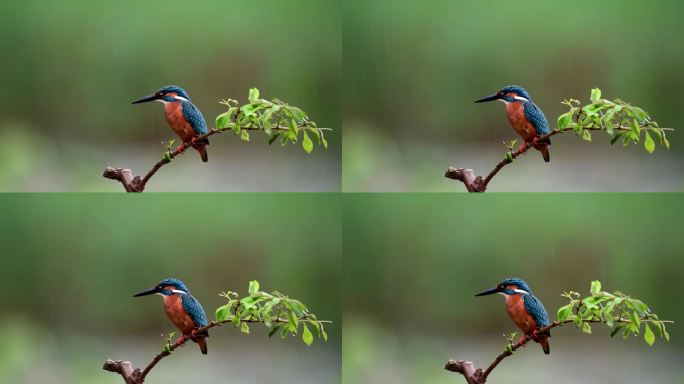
x=181, y=98
x=179, y=292
x=521, y=291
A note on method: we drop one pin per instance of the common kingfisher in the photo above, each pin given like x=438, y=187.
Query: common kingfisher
x=182, y=309
x=526, y=311
x=525, y=117
x=183, y=117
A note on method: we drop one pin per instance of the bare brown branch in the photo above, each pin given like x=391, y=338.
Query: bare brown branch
x=137, y=376
x=132, y=183
x=475, y=183
x=479, y=376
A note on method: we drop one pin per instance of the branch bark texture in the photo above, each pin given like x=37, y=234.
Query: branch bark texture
x=133, y=183
x=475, y=183
x=133, y=375
x=474, y=375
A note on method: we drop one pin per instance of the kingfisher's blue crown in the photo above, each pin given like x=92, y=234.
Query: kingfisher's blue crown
x=517, y=89
x=175, y=282
x=176, y=89
x=520, y=283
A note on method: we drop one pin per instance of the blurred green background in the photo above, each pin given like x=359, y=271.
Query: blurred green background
x=72, y=67
x=413, y=269
x=412, y=70
x=72, y=263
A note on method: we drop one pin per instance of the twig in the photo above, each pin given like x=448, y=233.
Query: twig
x=479, y=376
x=479, y=184
x=137, y=376
x=133, y=183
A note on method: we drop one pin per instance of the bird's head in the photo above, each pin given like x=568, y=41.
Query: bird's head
x=509, y=94
x=167, y=94
x=509, y=286
x=166, y=287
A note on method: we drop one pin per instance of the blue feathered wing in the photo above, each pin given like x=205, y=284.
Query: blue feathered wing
x=194, y=117
x=536, y=309
x=535, y=116
x=194, y=309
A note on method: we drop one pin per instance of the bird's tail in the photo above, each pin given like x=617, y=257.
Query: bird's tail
x=544, y=149
x=202, y=341
x=544, y=341
x=202, y=149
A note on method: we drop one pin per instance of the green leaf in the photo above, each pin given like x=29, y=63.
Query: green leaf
x=273, y=138
x=307, y=144
x=615, y=330
x=586, y=135
x=649, y=144
x=649, y=337
x=244, y=328
x=325, y=335
x=253, y=287
x=293, y=127
x=273, y=331
x=635, y=128
x=565, y=119
x=595, y=287
x=244, y=135
x=307, y=336
x=564, y=312
x=615, y=138
x=586, y=328
x=222, y=120
x=595, y=95
x=223, y=312
x=667, y=335
x=253, y=95
x=293, y=319
x=298, y=114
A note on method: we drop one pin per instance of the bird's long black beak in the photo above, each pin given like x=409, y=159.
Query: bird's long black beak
x=489, y=98
x=489, y=291
x=150, y=291
x=146, y=99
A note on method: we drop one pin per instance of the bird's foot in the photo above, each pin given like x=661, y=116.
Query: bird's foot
x=180, y=340
x=522, y=148
x=180, y=148
x=535, y=141
x=193, y=140
x=522, y=339
x=193, y=333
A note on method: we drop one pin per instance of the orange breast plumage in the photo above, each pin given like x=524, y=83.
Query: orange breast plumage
x=516, y=116
x=174, y=116
x=173, y=306
x=515, y=306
